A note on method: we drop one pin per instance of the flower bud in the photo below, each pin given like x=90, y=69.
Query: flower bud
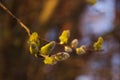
x=98, y=45
x=81, y=50
x=64, y=37
x=50, y=60
x=46, y=49
x=61, y=56
x=74, y=43
x=34, y=49
x=68, y=49
x=33, y=37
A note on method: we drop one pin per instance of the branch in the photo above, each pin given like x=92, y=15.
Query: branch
x=42, y=48
x=18, y=20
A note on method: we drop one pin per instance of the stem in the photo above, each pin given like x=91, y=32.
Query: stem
x=28, y=30
x=18, y=20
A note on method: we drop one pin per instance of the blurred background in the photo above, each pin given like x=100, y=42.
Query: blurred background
x=85, y=20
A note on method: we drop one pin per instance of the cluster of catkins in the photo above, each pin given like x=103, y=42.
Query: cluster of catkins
x=46, y=50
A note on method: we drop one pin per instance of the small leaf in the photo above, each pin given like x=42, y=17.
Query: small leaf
x=64, y=37
x=81, y=50
x=98, y=45
x=74, y=43
x=46, y=49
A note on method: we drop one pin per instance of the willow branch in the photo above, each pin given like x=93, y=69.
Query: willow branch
x=18, y=20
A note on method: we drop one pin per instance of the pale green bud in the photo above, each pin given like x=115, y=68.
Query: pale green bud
x=67, y=49
x=81, y=50
x=98, y=45
x=61, y=56
x=74, y=43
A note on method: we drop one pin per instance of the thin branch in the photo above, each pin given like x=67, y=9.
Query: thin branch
x=18, y=20
x=43, y=41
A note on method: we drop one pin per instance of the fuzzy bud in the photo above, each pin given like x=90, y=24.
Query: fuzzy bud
x=62, y=56
x=64, y=37
x=68, y=49
x=81, y=50
x=50, y=60
x=46, y=49
x=98, y=45
x=74, y=43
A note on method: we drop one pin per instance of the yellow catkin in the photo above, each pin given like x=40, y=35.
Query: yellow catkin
x=46, y=49
x=34, y=44
x=50, y=60
x=98, y=45
x=74, y=43
x=81, y=50
x=64, y=37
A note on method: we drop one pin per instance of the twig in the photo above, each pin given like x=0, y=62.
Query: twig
x=59, y=46
x=18, y=20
